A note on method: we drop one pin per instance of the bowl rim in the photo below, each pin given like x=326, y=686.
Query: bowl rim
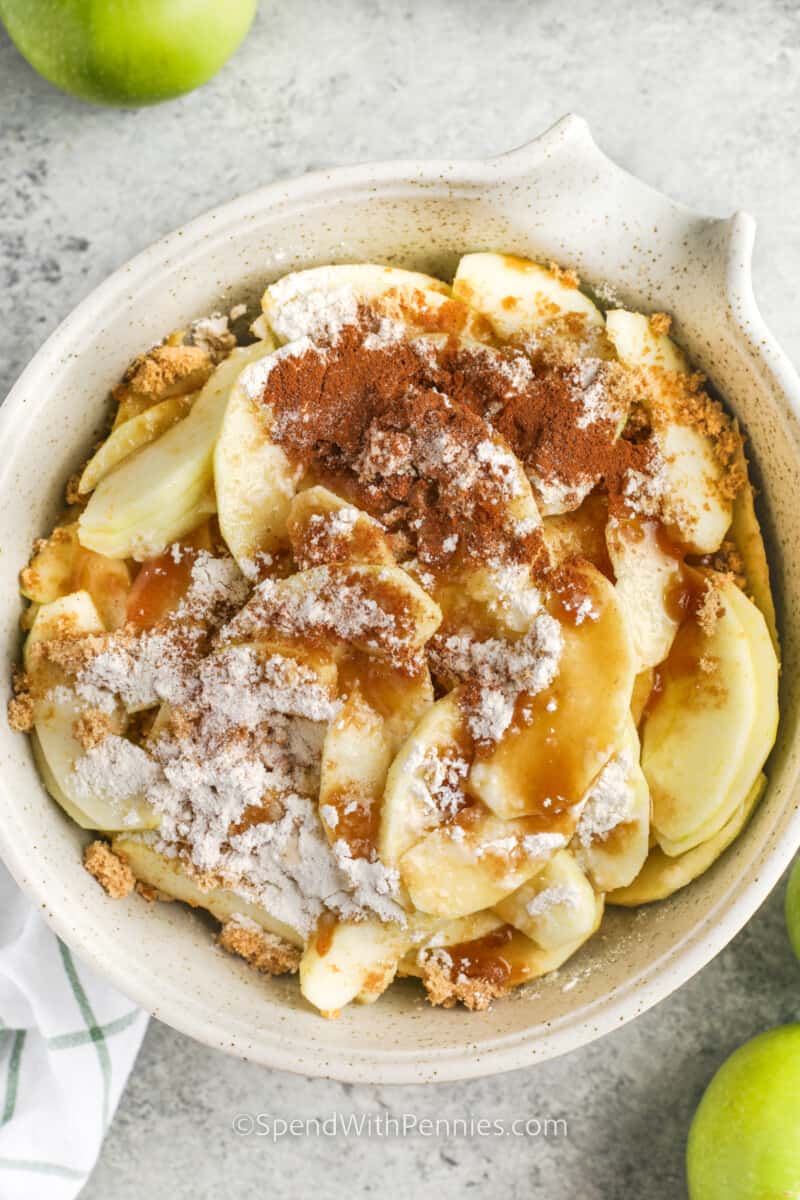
x=712, y=931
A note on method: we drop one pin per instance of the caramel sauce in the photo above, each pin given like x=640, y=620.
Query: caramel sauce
x=359, y=820
x=684, y=598
x=483, y=957
x=323, y=934
x=257, y=814
x=384, y=687
x=161, y=582
x=688, y=660
x=667, y=544
x=560, y=738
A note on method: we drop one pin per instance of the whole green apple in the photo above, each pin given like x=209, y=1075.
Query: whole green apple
x=793, y=908
x=127, y=51
x=744, y=1143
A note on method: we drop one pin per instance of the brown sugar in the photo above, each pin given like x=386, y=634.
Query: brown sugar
x=444, y=992
x=91, y=727
x=710, y=607
x=268, y=953
x=21, y=713
x=165, y=371
x=564, y=275
x=660, y=324
x=111, y=872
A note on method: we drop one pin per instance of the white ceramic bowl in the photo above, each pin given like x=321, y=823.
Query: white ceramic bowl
x=559, y=198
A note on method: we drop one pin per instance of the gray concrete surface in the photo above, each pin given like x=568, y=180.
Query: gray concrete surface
x=700, y=99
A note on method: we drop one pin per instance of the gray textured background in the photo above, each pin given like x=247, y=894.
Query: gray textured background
x=700, y=99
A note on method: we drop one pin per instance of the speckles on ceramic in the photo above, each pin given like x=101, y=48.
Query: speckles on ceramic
x=558, y=198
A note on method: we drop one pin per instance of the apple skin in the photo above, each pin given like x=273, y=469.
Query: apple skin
x=793, y=907
x=127, y=52
x=744, y=1143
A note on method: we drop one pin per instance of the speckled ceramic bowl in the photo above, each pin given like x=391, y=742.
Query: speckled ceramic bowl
x=559, y=198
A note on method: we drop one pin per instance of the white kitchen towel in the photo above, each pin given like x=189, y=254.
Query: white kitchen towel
x=68, y=1040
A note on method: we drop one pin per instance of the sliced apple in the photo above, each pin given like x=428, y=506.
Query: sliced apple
x=430, y=933
x=48, y=575
x=61, y=565
x=461, y=868
x=613, y=834
x=175, y=878
x=645, y=575
x=254, y=483
x=158, y=494
x=399, y=698
x=661, y=875
x=642, y=691
x=580, y=533
x=746, y=533
x=417, y=787
x=73, y=614
x=693, y=503
x=132, y=435
x=319, y=300
x=548, y=762
x=56, y=714
x=348, y=959
x=528, y=960
x=379, y=611
x=355, y=759
x=706, y=738
x=518, y=296
x=554, y=908
x=323, y=528
x=525, y=958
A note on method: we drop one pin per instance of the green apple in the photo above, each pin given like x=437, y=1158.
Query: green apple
x=793, y=907
x=127, y=51
x=744, y=1143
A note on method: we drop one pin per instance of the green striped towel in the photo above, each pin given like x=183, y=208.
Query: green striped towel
x=67, y=1043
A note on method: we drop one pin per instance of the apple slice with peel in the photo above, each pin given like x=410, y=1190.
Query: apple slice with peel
x=554, y=908
x=574, y=725
x=318, y=301
x=693, y=502
x=473, y=863
x=517, y=295
x=56, y=747
x=175, y=878
x=323, y=528
x=613, y=834
x=132, y=435
x=755, y=749
x=348, y=959
x=707, y=736
x=158, y=494
x=661, y=875
x=418, y=782
x=746, y=533
x=645, y=574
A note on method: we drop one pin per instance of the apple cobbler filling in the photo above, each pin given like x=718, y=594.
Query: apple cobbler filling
x=410, y=634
